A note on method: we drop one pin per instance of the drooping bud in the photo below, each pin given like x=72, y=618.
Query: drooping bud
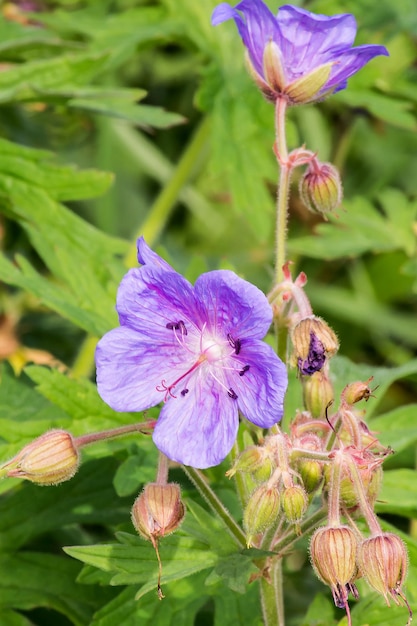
x=49, y=459
x=318, y=394
x=158, y=510
x=314, y=342
x=383, y=561
x=294, y=503
x=321, y=188
x=261, y=511
x=333, y=553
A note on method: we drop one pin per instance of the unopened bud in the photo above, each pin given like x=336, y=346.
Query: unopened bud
x=321, y=188
x=355, y=392
x=311, y=473
x=383, y=561
x=158, y=510
x=261, y=511
x=333, y=555
x=318, y=394
x=49, y=459
x=294, y=502
x=314, y=341
x=254, y=460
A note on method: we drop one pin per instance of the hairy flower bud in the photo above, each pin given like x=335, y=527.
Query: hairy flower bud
x=158, y=510
x=333, y=555
x=49, y=459
x=311, y=473
x=355, y=392
x=318, y=394
x=321, y=188
x=314, y=342
x=294, y=503
x=261, y=511
x=254, y=460
x=383, y=561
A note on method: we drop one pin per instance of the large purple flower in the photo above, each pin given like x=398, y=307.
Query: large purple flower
x=298, y=54
x=197, y=349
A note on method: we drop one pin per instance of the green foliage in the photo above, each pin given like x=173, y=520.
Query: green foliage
x=170, y=138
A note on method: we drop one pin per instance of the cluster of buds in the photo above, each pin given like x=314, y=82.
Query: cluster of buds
x=337, y=457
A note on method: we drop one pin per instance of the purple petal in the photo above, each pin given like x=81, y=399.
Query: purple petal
x=256, y=28
x=351, y=62
x=230, y=304
x=150, y=298
x=261, y=389
x=146, y=256
x=198, y=429
x=129, y=371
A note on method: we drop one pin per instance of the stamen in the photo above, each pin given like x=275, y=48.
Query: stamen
x=235, y=343
x=184, y=392
x=182, y=328
x=232, y=394
x=178, y=326
x=244, y=369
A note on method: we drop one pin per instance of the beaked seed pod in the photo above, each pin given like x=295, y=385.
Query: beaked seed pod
x=158, y=510
x=383, y=561
x=333, y=553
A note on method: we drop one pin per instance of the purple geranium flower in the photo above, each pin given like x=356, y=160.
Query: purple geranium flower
x=298, y=54
x=199, y=350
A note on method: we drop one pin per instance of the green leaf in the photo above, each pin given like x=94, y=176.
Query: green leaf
x=182, y=601
x=235, y=571
x=391, y=110
x=24, y=82
x=142, y=115
x=30, y=580
x=136, y=563
x=320, y=611
x=361, y=227
x=397, y=428
x=31, y=511
x=232, y=609
x=399, y=493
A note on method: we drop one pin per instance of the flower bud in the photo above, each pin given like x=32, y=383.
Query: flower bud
x=311, y=473
x=261, y=511
x=355, y=392
x=314, y=341
x=49, y=459
x=321, y=188
x=294, y=503
x=383, y=561
x=158, y=510
x=318, y=394
x=254, y=460
x=333, y=555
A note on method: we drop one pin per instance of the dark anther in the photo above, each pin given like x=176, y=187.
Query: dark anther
x=244, y=369
x=184, y=392
x=232, y=394
x=235, y=343
x=177, y=326
x=182, y=328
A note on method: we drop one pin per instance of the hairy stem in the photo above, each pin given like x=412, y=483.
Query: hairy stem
x=199, y=480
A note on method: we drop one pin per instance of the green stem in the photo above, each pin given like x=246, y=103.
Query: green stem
x=272, y=599
x=215, y=504
x=160, y=211
x=283, y=189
